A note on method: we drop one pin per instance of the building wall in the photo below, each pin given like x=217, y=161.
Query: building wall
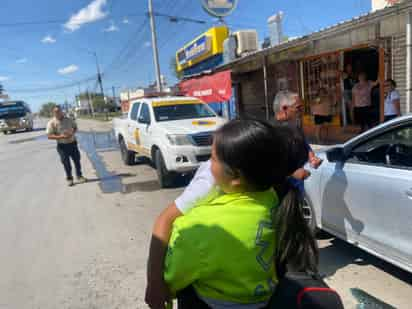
x=399, y=66
x=252, y=97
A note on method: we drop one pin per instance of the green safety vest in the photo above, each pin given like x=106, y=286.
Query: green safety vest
x=224, y=248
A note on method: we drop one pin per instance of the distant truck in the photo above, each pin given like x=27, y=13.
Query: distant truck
x=15, y=116
x=174, y=132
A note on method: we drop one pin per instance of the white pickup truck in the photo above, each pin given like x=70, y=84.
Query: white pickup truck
x=174, y=132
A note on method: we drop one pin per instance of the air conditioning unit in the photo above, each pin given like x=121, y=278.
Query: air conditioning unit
x=247, y=41
x=229, y=49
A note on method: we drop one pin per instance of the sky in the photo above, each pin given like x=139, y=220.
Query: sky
x=47, y=46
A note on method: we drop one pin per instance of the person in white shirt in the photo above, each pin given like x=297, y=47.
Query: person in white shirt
x=392, y=100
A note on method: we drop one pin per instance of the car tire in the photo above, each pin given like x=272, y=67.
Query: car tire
x=128, y=157
x=165, y=177
x=309, y=215
x=5, y=132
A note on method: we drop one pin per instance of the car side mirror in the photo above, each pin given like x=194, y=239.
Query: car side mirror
x=336, y=155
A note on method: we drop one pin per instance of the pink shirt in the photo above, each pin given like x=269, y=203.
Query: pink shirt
x=362, y=94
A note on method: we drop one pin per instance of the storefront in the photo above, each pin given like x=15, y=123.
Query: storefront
x=374, y=44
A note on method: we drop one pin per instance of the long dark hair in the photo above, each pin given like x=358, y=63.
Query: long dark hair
x=265, y=156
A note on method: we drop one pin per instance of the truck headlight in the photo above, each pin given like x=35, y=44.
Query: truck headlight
x=23, y=120
x=178, y=139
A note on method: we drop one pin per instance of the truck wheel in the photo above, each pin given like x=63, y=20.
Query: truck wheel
x=165, y=177
x=128, y=156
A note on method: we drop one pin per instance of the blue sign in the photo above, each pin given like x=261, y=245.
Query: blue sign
x=198, y=48
x=219, y=8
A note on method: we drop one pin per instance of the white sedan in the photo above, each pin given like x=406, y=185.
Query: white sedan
x=362, y=193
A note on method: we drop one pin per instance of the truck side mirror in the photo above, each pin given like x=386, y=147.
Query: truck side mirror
x=143, y=120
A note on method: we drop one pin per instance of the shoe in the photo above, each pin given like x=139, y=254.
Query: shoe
x=70, y=182
x=81, y=179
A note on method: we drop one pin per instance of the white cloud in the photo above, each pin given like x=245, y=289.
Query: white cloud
x=112, y=28
x=126, y=20
x=91, y=13
x=21, y=60
x=4, y=78
x=147, y=44
x=68, y=70
x=48, y=40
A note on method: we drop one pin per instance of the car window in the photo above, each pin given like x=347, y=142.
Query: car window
x=144, y=114
x=393, y=148
x=135, y=109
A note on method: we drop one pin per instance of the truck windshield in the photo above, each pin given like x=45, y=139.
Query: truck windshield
x=12, y=110
x=182, y=111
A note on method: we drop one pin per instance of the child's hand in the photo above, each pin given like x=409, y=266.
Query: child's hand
x=301, y=174
x=157, y=294
x=315, y=162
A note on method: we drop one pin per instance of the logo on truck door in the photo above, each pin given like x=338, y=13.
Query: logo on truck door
x=136, y=135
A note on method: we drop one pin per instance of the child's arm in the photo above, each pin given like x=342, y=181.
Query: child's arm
x=157, y=293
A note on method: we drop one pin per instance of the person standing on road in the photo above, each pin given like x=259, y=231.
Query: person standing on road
x=392, y=100
x=63, y=129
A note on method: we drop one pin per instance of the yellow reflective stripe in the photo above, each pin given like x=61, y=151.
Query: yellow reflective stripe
x=203, y=123
x=178, y=102
x=137, y=148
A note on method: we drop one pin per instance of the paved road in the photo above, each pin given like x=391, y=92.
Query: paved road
x=86, y=246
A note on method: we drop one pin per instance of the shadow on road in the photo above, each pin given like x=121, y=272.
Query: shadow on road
x=340, y=254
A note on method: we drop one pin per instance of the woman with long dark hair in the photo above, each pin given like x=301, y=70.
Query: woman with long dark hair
x=225, y=250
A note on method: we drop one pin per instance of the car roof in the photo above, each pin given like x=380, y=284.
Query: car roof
x=392, y=123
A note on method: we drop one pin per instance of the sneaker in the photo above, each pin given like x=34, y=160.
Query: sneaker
x=81, y=179
x=70, y=182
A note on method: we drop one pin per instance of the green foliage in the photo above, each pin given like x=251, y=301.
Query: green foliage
x=46, y=109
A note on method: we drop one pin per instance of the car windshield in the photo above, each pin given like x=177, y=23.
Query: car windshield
x=182, y=111
x=9, y=111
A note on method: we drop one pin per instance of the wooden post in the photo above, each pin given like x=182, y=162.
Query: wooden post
x=381, y=79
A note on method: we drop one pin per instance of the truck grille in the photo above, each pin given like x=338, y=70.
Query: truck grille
x=202, y=139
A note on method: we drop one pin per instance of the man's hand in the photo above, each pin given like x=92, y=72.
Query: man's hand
x=157, y=294
x=68, y=133
x=301, y=174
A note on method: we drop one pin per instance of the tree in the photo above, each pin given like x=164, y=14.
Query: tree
x=46, y=109
x=173, y=67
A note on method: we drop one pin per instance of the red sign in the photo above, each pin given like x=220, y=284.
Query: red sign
x=209, y=88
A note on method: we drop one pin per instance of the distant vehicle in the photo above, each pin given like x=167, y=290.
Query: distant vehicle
x=15, y=116
x=362, y=193
x=174, y=132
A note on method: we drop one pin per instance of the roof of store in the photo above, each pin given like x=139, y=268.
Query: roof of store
x=338, y=27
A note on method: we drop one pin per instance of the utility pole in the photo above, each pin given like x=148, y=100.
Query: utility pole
x=154, y=47
x=99, y=75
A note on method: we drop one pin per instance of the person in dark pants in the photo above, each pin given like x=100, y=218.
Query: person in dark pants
x=63, y=130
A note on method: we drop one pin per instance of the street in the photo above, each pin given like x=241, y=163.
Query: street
x=86, y=246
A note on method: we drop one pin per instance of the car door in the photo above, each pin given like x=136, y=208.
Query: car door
x=144, y=122
x=368, y=198
x=133, y=128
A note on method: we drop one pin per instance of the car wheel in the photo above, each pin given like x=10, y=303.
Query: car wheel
x=128, y=156
x=5, y=132
x=165, y=177
x=309, y=215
